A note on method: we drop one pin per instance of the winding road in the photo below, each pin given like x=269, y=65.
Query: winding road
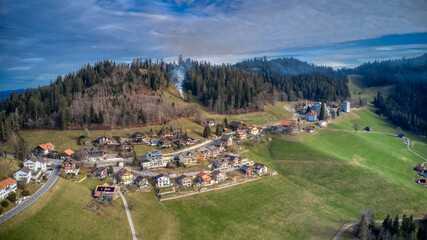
x=52, y=179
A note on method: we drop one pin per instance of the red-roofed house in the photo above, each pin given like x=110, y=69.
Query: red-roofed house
x=66, y=154
x=241, y=134
x=44, y=149
x=253, y=130
x=205, y=178
x=6, y=187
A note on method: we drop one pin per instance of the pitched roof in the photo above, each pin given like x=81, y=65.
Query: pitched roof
x=182, y=177
x=6, y=182
x=235, y=123
x=312, y=113
x=216, y=173
x=46, y=146
x=245, y=167
x=139, y=179
x=258, y=165
x=24, y=169
x=289, y=122
x=124, y=171
x=162, y=175
x=202, y=174
x=69, y=152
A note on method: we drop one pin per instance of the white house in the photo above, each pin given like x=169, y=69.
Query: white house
x=36, y=164
x=346, y=106
x=23, y=174
x=154, y=156
x=163, y=181
x=260, y=168
x=6, y=187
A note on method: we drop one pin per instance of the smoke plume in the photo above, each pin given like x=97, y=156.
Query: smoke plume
x=178, y=75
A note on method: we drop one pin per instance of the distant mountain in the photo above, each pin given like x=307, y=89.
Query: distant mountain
x=8, y=92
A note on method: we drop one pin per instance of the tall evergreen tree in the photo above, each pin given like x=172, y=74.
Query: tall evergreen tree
x=100, y=117
x=218, y=131
x=395, y=226
x=207, y=132
x=322, y=115
x=226, y=123
x=92, y=114
x=86, y=133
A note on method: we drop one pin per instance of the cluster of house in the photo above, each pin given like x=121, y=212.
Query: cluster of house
x=205, y=178
x=285, y=126
x=242, y=163
x=313, y=111
x=125, y=177
x=165, y=139
x=422, y=171
x=156, y=159
x=33, y=168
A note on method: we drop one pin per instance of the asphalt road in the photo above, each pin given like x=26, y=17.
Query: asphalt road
x=52, y=179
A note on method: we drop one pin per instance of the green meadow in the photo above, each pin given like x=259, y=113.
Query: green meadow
x=59, y=214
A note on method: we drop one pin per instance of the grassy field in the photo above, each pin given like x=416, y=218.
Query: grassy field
x=59, y=214
x=7, y=167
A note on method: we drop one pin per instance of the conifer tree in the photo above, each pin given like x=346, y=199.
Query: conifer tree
x=218, y=131
x=207, y=132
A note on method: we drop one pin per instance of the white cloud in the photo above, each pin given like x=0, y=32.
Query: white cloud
x=19, y=68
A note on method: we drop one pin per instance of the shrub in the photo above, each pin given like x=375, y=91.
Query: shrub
x=12, y=197
x=25, y=193
x=5, y=204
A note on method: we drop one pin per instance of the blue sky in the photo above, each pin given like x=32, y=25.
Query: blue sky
x=42, y=39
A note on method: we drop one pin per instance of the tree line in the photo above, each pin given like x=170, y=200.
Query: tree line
x=404, y=105
x=405, y=228
x=251, y=84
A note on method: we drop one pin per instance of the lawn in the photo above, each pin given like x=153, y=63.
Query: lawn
x=59, y=214
x=7, y=167
x=365, y=117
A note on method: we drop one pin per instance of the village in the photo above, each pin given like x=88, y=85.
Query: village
x=194, y=166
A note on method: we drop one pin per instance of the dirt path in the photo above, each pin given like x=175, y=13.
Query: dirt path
x=125, y=203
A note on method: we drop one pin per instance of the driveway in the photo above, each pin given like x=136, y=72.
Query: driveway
x=52, y=179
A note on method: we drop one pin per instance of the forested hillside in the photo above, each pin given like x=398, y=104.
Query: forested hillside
x=251, y=84
x=380, y=73
x=405, y=105
x=105, y=95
